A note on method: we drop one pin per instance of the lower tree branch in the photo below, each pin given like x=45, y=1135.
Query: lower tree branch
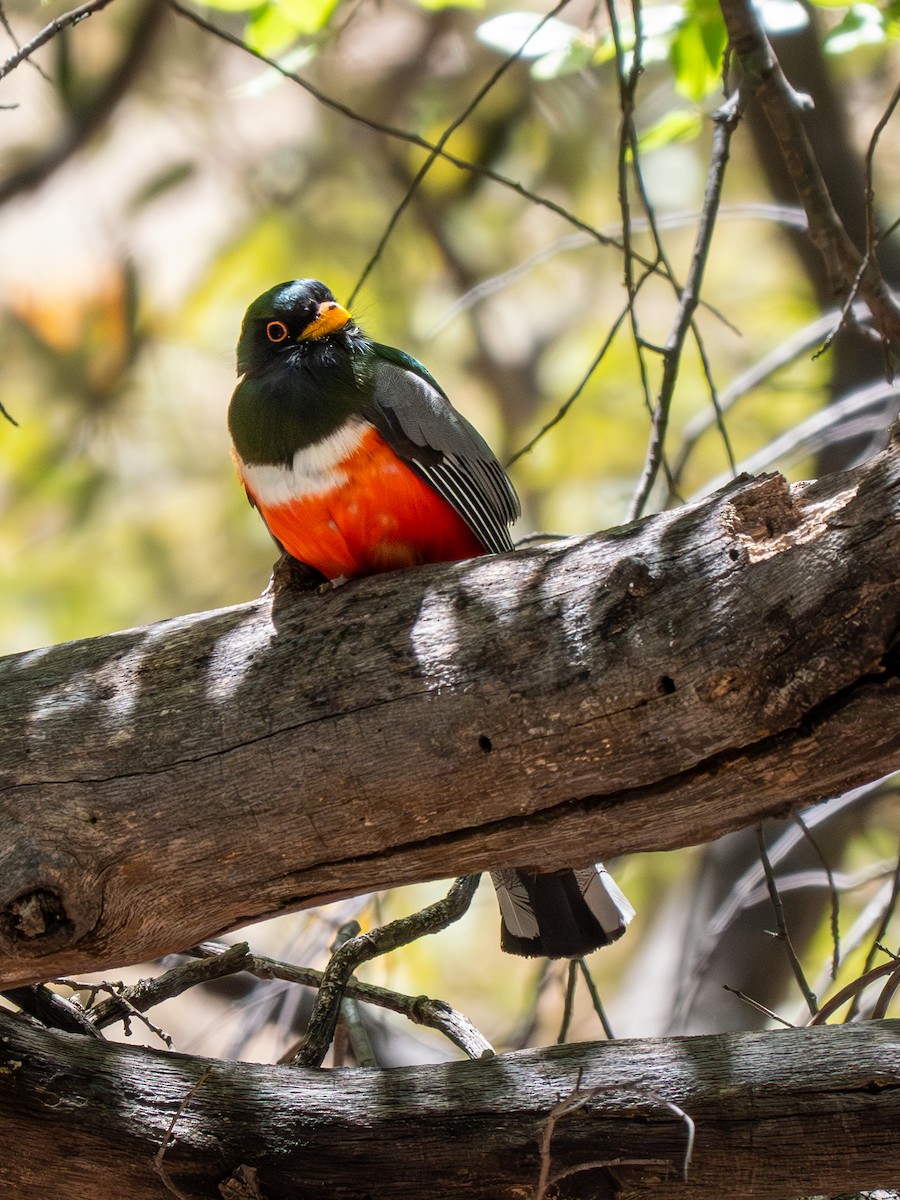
x=649, y=688
x=801, y=1111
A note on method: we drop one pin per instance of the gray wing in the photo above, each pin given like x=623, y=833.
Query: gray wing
x=421, y=425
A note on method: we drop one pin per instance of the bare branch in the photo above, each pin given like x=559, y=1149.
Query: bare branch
x=764, y=79
x=56, y=26
x=726, y=123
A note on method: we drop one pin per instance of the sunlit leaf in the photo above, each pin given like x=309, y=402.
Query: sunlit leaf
x=276, y=25
x=564, y=62
x=436, y=5
x=508, y=32
x=682, y=125
x=862, y=26
x=696, y=51
x=782, y=16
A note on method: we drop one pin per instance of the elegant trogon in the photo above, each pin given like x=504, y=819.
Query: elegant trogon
x=358, y=463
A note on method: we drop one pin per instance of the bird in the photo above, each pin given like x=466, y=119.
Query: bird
x=358, y=463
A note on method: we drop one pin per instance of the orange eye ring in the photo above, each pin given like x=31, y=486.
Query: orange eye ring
x=276, y=331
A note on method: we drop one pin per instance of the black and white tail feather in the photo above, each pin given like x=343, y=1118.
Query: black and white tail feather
x=566, y=914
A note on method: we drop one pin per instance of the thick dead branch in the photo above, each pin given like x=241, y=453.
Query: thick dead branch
x=777, y=1114
x=648, y=688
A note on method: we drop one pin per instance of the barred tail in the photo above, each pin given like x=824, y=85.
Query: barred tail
x=562, y=915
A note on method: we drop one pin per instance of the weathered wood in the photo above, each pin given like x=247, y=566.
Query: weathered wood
x=796, y=1112
x=648, y=688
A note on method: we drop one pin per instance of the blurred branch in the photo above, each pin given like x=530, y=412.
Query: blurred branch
x=439, y=145
x=783, y=931
x=801, y=342
x=749, y=889
x=864, y=410
x=763, y=78
x=80, y=125
x=412, y=139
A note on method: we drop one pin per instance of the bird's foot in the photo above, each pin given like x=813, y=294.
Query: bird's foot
x=291, y=575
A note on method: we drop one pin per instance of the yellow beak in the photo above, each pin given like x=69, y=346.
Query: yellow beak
x=330, y=317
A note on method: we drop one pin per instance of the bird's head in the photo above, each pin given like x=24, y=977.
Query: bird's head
x=286, y=320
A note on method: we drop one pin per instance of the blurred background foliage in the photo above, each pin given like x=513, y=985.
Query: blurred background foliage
x=155, y=177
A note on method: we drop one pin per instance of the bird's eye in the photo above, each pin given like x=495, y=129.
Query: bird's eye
x=276, y=331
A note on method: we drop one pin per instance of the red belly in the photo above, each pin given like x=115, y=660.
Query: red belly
x=382, y=518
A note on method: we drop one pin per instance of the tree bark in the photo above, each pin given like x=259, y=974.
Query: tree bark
x=782, y=1114
x=648, y=688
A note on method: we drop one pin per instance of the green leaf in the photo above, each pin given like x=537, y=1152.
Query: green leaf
x=697, y=50
x=232, y=5
x=862, y=26
x=681, y=125
x=437, y=5
x=278, y=24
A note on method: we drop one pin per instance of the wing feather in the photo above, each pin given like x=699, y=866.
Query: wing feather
x=415, y=417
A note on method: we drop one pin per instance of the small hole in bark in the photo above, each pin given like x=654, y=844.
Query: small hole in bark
x=734, y=554
x=666, y=685
x=485, y=743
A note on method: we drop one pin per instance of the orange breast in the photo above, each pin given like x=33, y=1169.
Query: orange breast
x=380, y=516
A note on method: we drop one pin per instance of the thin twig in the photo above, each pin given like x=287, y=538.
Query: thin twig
x=595, y=1000
x=128, y=1010
x=215, y=960
x=853, y=990
x=157, y=1160
x=726, y=123
x=783, y=934
x=368, y=946
x=871, y=230
x=832, y=892
x=64, y=21
x=886, y=918
x=581, y=385
x=391, y=131
x=579, y=1099
x=756, y=1004
x=439, y=145
x=569, y=1003
x=627, y=145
